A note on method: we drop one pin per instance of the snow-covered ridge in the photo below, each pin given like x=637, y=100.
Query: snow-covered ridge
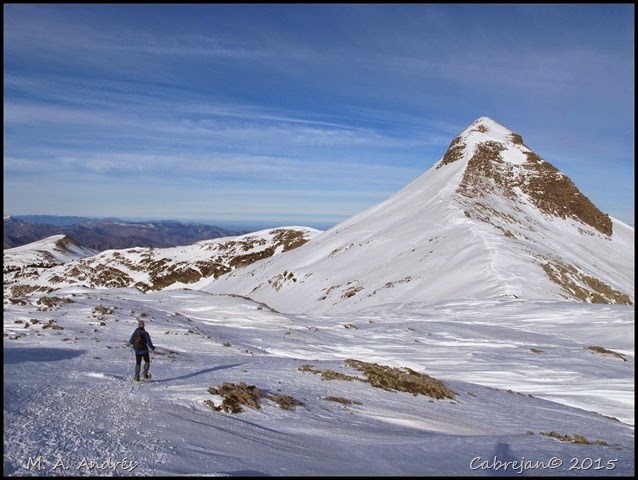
x=46, y=253
x=145, y=268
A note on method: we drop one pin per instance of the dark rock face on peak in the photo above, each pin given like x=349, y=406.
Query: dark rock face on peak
x=454, y=152
x=501, y=163
x=554, y=193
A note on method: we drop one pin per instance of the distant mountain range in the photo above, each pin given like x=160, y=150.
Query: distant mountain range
x=108, y=233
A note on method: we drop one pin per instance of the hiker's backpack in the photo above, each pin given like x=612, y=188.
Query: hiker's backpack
x=139, y=340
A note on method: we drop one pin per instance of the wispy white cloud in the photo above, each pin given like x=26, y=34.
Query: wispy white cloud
x=238, y=170
x=200, y=126
x=334, y=97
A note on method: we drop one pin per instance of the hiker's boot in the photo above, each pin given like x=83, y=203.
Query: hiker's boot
x=137, y=372
x=147, y=365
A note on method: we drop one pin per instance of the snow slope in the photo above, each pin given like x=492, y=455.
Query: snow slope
x=521, y=370
x=489, y=220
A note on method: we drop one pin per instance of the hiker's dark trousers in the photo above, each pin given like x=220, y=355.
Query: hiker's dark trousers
x=138, y=364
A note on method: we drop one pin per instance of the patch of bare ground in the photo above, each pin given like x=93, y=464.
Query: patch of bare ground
x=278, y=281
x=235, y=395
x=351, y=292
x=342, y=400
x=26, y=290
x=252, y=243
x=516, y=139
x=162, y=275
x=52, y=325
x=575, y=439
x=211, y=268
x=454, y=152
x=74, y=272
x=391, y=285
x=402, y=380
x=290, y=239
x=581, y=286
x=15, y=301
x=111, y=278
x=102, y=310
x=285, y=402
x=595, y=348
x=512, y=392
x=328, y=374
x=175, y=274
x=327, y=291
x=241, y=261
x=50, y=302
x=339, y=250
x=389, y=378
x=238, y=395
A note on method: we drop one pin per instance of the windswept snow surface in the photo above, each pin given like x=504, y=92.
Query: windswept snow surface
x=520, y=369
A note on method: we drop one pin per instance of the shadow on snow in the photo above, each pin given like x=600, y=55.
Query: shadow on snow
x=38, y=354
x=199, y=372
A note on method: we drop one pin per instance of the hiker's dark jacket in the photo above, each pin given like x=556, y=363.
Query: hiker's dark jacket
x=149, y=344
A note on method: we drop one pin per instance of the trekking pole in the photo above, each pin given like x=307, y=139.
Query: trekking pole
x=128, y=369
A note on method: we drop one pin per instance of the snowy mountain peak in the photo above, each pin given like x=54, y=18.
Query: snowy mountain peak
x=487, y=126
x=497, y=165
x=490, y=219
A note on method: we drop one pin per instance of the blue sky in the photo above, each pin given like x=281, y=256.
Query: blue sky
x=300, y=114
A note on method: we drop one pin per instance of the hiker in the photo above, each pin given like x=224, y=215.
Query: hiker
x=141, y=341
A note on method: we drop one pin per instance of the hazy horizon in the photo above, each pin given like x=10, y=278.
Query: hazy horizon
x=251, y=225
